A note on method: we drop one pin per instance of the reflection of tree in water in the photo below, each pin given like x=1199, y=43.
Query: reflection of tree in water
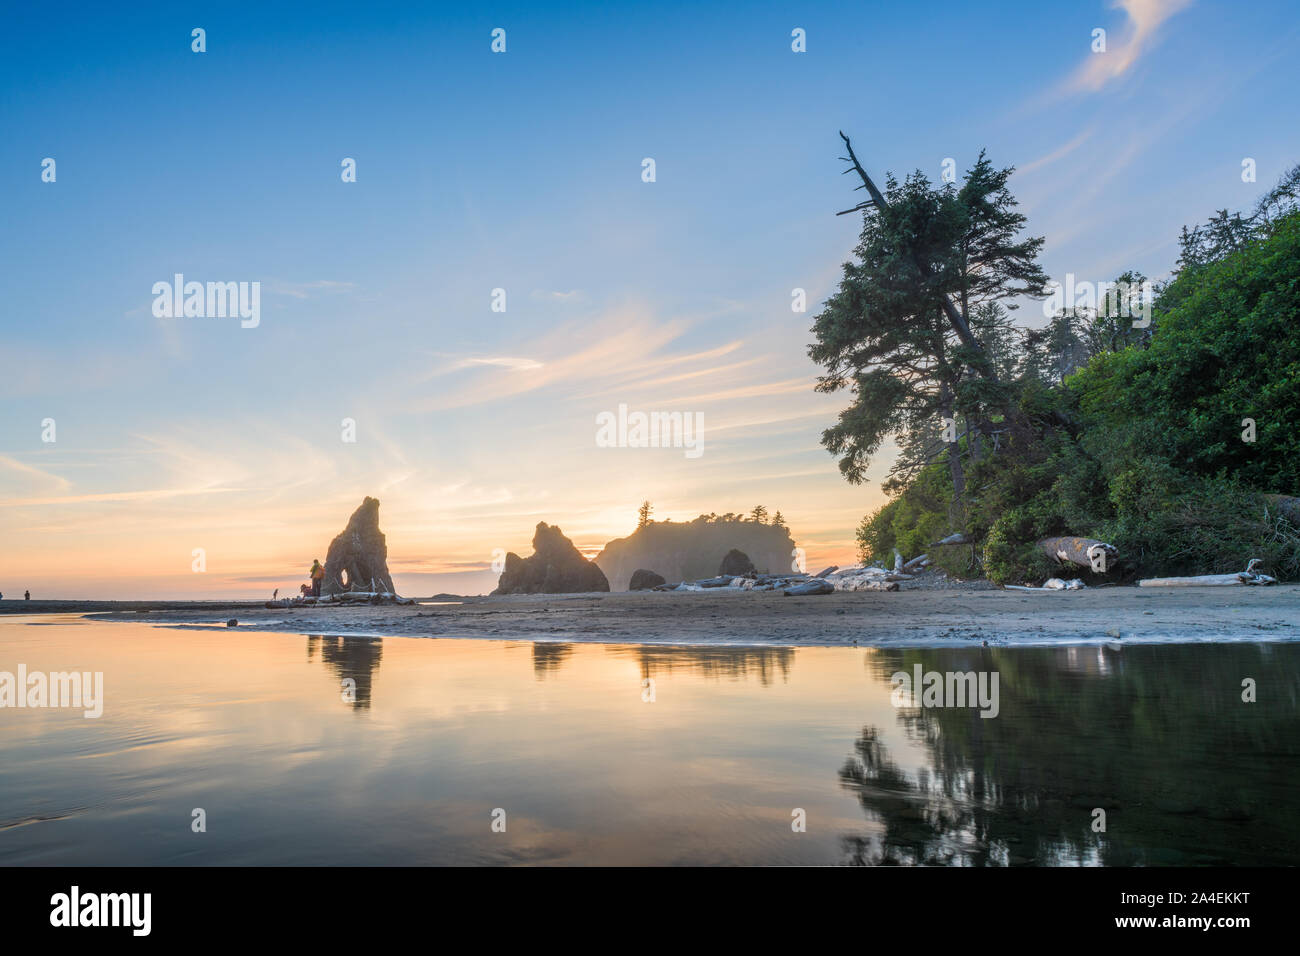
x=733, y=663
x=549, y=657
x=354, y=657
x=951, y=814
x=1157, y=736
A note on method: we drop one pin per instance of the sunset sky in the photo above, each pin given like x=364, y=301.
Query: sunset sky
x=523, y=171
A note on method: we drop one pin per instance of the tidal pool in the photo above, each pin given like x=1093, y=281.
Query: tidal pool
x=367, y=751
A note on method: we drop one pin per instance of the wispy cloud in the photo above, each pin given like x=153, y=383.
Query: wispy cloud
x=304, y=290
x=13, y=464
x=153, y=494
x=1145, y=17
x=554, y=295
x=619, y=345
x=1056, y=154
x=500, y=361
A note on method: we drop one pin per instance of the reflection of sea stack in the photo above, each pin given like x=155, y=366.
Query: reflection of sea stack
x=555, y=567
x=548, y=657
x=354, y=658
x=359, y=555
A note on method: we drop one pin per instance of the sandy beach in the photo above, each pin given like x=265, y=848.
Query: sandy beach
x=906, y=618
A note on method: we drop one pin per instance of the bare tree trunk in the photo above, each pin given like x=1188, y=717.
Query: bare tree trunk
x=957, y=513
x=974, y=441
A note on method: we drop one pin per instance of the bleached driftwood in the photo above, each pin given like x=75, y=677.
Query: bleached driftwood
x=958, y=538
x=1249, y=576
x=866, y=579
x=813, y=586
x=1085, y=552
x=1051, y=584
x=918, y=562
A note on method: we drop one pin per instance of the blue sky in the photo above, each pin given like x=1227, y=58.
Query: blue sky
x=522, y=171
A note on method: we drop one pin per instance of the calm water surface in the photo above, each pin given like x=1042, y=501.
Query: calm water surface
x=607, y=754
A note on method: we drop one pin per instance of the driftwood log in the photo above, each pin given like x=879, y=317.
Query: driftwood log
x=815, y=586
x=1085, y=552
x=1249, y=576
x=957, y=538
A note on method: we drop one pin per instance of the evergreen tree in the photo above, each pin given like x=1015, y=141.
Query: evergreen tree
x=901, y=331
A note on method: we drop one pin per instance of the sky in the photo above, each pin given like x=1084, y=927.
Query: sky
x=523, y=171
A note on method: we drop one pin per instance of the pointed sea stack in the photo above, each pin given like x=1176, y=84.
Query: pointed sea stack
x=359, y=555
x=556, y=567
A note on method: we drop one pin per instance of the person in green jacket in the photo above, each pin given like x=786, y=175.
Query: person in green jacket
x=317, y=576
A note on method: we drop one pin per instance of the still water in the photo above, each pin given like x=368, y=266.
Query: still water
x=624, y=754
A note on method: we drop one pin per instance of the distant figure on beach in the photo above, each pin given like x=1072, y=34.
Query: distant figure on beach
x=27, y=595
x=317, y=576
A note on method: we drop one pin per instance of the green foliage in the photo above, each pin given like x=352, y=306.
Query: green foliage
x=1229, y=350
x=911, y=522
x=1137, y=436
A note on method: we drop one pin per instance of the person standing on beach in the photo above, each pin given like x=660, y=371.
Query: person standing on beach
x=317, y=576
x=27, y=595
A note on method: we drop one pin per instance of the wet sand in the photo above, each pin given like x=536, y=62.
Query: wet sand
x=911, y=617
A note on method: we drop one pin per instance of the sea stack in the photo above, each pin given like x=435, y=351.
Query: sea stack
x=736, y=563
x=358, y=555
x=556, y=567
x=644, y=580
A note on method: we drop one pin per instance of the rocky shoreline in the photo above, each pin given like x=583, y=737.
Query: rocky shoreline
x=919, y=617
